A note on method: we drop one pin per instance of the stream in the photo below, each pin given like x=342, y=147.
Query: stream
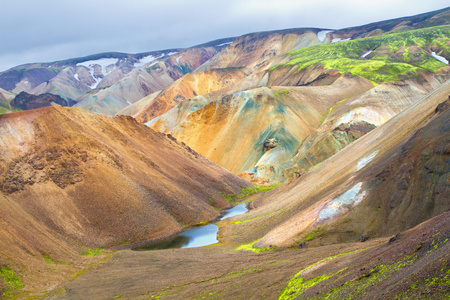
x=198, y=236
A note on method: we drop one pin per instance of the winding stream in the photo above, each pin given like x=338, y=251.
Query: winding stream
x=197, y=236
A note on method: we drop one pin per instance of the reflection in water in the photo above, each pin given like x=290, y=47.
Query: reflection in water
x=235, y=211
x=201, y=236
x=173, y=242
x=196, y=237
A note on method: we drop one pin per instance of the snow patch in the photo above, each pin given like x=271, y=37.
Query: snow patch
x=367, y=53
x=102, y=62
x=76, y=77
x=178, y=59
x=364, y=161
x=321, y=35
x=440, y=58
x=150, y=58
x=336, y=40
x=106, y=64
x=145, y=60
x=337, y=206
x=129, y=102
x=224, y=44
x=171, y=53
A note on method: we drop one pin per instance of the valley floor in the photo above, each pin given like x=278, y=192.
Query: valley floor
x=411, y=265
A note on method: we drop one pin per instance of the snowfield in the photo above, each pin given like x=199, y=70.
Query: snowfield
x=321, y=35
x=367, y=53
x=336, y=40
x=104, y=63
x=440, y=58
x=224, y=44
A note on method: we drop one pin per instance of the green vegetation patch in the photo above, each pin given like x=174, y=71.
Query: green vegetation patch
x=48, y=259
x=392, y=57
x=89, y=252
x=278, y=94
x=250, y=247
x=439, y=282
x=4, y=110
x=10, y=281
x=315, y=233
x=298, y=285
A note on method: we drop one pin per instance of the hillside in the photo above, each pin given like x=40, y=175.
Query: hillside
x=389, y=180
x=71, y=179
x=380, y=77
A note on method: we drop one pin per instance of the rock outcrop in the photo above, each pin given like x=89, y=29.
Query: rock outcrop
x=27, y=101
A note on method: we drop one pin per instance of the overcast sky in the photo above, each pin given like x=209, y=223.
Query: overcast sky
x=49, y=30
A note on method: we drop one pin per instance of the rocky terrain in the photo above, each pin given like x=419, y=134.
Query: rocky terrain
x=25, y=101
x=350, y=125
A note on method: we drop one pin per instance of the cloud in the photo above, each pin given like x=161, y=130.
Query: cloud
x=48, y=30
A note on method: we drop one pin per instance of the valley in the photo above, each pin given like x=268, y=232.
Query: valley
x=337, y=142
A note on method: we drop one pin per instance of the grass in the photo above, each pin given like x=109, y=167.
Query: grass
x=392, y=58
x=11, y=282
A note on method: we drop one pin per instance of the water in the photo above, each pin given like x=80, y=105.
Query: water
x=198, y=236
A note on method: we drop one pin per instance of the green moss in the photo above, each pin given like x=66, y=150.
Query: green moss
x=89, y=252
x=315, y=166
x=439, y=283
x=278, y=94
x=355, y=288
x=297, y=285
x=250, y=247
x=382, y=67
x=48, y=259
x=316, y=233
x=11, y=282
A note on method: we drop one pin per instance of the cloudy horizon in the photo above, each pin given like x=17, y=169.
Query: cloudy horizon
x=51, y=30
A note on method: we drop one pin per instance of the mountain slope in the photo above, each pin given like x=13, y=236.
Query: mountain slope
x=376, y=187
x=403, y=67
x=70, y=179
x=231, y=130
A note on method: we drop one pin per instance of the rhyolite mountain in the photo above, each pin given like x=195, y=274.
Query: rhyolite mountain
x=354, y=122
x=72, y=179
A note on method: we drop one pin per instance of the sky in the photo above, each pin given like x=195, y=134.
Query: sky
x=50, y=30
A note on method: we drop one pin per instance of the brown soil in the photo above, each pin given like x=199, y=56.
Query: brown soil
x=107, y=182
x=376, y=269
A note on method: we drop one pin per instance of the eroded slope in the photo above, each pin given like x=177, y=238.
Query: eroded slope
x=70, y=178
